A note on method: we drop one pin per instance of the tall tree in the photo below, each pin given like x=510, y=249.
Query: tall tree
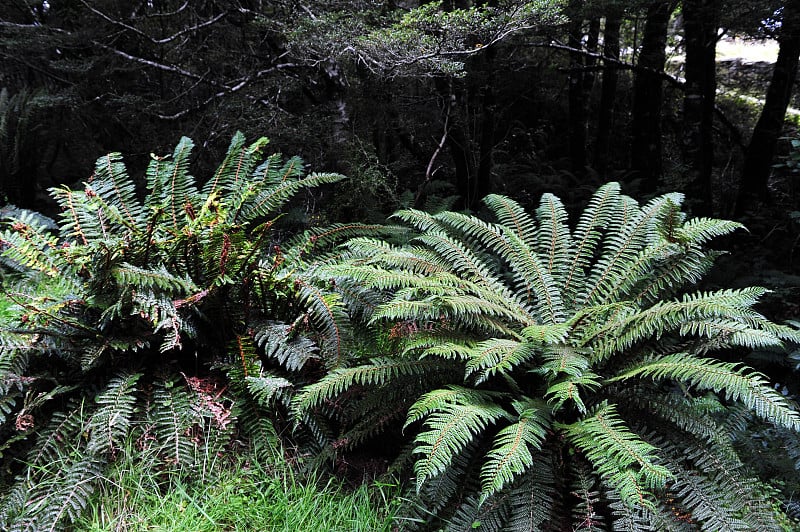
x=761, y=150
x=646, y=161
x=701, y=22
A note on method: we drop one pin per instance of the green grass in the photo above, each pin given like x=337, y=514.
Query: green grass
x=244, y=493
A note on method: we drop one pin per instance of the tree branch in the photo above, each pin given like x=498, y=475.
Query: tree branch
x=139, y=32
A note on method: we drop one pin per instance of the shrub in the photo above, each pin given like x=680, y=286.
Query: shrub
x=148, y=296
x=561, y=379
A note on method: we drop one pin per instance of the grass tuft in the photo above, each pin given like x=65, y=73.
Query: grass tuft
x=246, y=492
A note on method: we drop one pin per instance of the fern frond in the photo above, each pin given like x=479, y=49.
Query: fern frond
x=587, y=235
x=440, y=398
x=277, y=341
x=738, y=384
x=622, y=244
x=158, y=278
x=112, y=184
x=532, y=499
x=510, y=455
x=265, y=388
x=450, y=429
x=268, y=198
x=568, y=390
x=497, y=355
x=511, y=215
x=530, y=272
x=329, y=319
x=67, y=495
x=111, y=422
x=553, y=238
x=28, y=247
x=621, y=457
x=172, y=416
x=64, y=428
x=377, y=373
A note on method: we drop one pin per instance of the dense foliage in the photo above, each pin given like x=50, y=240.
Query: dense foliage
x=522, y=369
x=143, y=299
x=558, y=378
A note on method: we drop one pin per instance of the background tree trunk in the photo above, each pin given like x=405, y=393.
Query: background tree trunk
x=761, y=150
x=647, y=97
x=577, y=97
x=701, y=20
x=608, y=90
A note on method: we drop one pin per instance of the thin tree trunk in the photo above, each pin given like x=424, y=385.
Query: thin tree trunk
x=608, y=90
x=701, y=19
x=483, y=187
x=761, y=150
x=453, y=92
x=648, y=92
x=577, y=99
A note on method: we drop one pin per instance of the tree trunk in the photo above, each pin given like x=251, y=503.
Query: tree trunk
x=484, y=187
x=608, y=90
x=577, y=118
x=761, y=150
x=701, y=20
x=647, y=95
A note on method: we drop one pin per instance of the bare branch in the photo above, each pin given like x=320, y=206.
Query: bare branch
x=139, y=32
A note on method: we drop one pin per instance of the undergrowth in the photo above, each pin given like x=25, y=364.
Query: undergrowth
x=243, y=490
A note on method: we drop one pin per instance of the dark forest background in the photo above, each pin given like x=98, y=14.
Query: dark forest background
x=421, y=101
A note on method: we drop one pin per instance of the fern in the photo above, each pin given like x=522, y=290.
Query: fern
x=141, y=286
x=557, y=356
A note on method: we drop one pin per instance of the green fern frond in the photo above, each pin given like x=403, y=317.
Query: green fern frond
x=269, y=197
x=439, y=399
x=587, y=236
x=738, y=384
x=570, y=390
x=64, y=426
x=563, y=360
x=277, y=342
x=158, y=278
x=29, y=247
x=415, y=260
x=74, y=486
x=532, y=499
x=511, y=450
x=233, y=168
x=553, y=239
x=328, y=317
x=621, y=457
x=497, y=355
x=377, y=373
x=178, y=184
x=622, y=245
x=265, y=388
x=110, y=424
x=112, y=184
x=172, y=417
x=511, y=215
x=450, y=429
